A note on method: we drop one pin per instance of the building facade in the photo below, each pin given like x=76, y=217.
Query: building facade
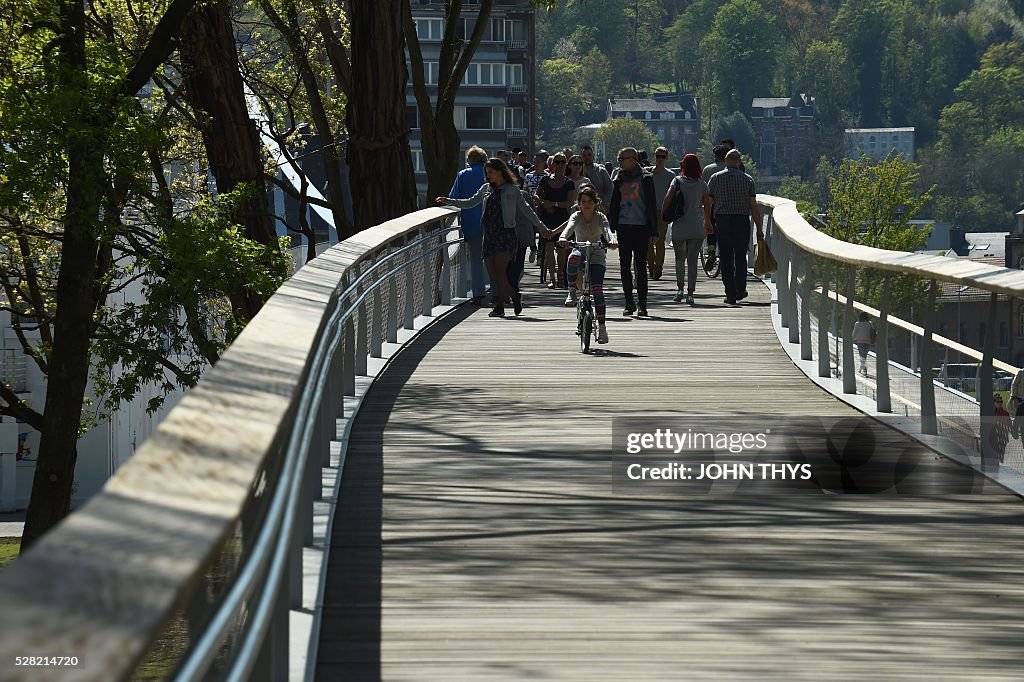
x=783, y=135
x=495, y=105
x=675, y=119
x=878, y=143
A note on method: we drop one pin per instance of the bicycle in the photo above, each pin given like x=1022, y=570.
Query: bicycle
x=586, y=320
x=709, y=260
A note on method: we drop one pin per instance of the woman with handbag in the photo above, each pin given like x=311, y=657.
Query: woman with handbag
x=688, y=227
x=503, y=205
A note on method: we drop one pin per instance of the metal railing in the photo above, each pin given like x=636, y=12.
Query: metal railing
x=189, y=563
x=817, y=283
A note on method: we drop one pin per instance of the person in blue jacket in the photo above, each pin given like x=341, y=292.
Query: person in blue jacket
x=467, y=182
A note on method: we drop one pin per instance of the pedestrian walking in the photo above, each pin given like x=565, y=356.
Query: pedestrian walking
x=504, y=205
x=633, y=214
x=689, y=229
x=467, y=182
x=597, y=175
x=734, y=203
x=864, y=337
x=555, y=196
x=663, y=177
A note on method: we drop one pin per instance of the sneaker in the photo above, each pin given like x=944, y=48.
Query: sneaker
x=642, y=312
x=729, y=300
x=741, y=296
x=517, y=303
x=689, y=299
x=679, y=297
x=570, y=298
x=628, y=310
x=602, y=334
x=497, y=312
x=551, y=285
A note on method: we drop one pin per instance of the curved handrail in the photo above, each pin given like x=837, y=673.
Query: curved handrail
x=989, y=277
x=104, y=583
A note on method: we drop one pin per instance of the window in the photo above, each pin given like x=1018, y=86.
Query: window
x=514, y=74
x=667, y=115
x=412, y=117
x=514, y=30
x=417, y=161
x=647, y=115
x=769, y=113
x=514, y=117
x=430, y=72
x=478, y=118
x=686, y=115
x=673, y=133
x=497, y=33
x=472, y=76
x=429, y=29
x=1004, y=335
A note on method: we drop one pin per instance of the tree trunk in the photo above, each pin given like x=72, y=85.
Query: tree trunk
x=289, y=27
x=380, y=161
x=213, y=87
x=73, y=319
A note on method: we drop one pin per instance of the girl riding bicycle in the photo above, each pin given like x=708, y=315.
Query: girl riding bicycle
x=588, y=224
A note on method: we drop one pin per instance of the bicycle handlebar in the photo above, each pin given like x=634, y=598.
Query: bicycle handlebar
x=584, y=245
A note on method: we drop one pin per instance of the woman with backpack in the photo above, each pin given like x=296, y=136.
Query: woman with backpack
x=688, y=226
x=506, y=212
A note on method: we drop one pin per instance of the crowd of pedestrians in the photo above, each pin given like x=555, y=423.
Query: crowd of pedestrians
x=510, y=206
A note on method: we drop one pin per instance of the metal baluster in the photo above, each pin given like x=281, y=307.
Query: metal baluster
x=430, y=258
x=348, y=376
x=849, y=368
x=446, y=275
x=805, y=306
x=782, y=280
x=883, y=399
x=361, y=330
x=791, y=257
x=989, y=454
x=824, y=305
x=391, y=323
x=410, y=291
x=929, y=422
x=377, y=320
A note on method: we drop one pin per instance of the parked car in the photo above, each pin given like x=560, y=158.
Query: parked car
x=963, y=376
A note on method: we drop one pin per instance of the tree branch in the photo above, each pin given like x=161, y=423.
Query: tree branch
x=158, y=48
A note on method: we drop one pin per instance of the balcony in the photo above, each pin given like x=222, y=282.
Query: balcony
x=516, y=48
x=517, y=89
x=516, y=134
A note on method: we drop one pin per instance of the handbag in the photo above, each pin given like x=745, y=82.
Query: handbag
x=677, y=208
x=764, y=261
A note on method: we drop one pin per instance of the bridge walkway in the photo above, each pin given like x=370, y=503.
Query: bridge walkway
x=477, y=536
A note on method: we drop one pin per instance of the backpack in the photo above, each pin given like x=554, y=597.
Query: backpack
x=677, y=208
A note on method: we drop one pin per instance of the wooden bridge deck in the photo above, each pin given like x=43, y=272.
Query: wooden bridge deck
x=478, y=538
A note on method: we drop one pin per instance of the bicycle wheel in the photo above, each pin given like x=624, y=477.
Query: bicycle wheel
x=709, y=263
x=587, y=330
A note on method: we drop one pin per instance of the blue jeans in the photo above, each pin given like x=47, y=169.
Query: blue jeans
x=733, y=233
x=477, y=273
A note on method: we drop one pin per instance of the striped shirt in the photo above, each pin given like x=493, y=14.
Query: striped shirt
x=732, y=190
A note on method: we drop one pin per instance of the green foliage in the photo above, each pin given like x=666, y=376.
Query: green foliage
x=560, y=94
x=872, y=204
x=182, y=318
x=626, y=132
x=739, y=55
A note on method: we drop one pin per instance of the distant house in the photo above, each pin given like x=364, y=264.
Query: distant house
x=877, y=143
x=783, y=135
x=675, y=119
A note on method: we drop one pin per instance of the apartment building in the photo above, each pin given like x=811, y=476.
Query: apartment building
x=783, y=135
x=675, y=119
x=495, y=105
x=878, y=143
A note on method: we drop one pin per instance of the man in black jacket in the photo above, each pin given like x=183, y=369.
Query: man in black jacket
x=633, y=215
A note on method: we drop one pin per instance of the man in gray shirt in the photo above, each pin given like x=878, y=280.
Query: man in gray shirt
x=663, y=177
x=598, y=176
x=734, y=203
